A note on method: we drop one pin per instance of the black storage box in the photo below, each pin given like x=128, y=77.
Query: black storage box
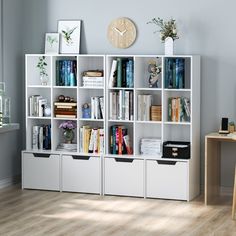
x=175, y=149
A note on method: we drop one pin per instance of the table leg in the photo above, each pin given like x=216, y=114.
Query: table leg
x=212, y=170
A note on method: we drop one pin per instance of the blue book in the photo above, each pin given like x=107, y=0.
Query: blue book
x=113, y=139
x=131, y=69
x=119, y=72
x=127, y=74
x=180, y=73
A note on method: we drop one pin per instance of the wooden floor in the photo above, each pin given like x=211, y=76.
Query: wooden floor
x=33, y=213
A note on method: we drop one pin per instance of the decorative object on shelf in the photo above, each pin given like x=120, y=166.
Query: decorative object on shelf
x=86, y=111
x=69, y=35
x=5, y=106
x=121, y=32
x=51, y=43
x=168, y=33
x=155, y=72
x=47, y=111
x=41, y=65
x=68, y=133
x=231, y=127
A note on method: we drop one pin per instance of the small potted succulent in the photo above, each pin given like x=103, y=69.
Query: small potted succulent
x=68, y=127
x=168, y=32
x=41, y=65
x=231, y=127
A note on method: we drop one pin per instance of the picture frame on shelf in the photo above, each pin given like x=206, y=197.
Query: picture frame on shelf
x=69, y=31
x=52, y=43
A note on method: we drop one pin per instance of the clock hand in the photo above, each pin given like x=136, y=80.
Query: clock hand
x=122, y=33
x=117, y=31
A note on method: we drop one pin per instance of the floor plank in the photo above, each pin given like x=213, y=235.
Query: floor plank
x=37, y=213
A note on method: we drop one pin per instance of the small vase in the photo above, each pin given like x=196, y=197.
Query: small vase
x=68, y=135
x=44, y=79
x=169, y=46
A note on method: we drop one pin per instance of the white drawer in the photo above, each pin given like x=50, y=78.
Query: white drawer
x=122, y=177
x=81, y=174
x=167, y=179
x=40, y=171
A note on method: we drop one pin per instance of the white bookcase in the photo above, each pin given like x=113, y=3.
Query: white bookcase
x=112, y=174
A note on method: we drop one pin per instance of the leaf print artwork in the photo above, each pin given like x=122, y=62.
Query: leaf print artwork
x=51, y=40
x=67, y=35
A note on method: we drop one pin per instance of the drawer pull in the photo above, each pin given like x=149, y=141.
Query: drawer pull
x=41, y=155
x=81, y=157
x=124, y=160
x=166, y=162
x=174, y=154
x=174, y=149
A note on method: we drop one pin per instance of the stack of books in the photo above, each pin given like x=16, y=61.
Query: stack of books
x=65, y=109
x=150, y=146
x=93, y=78
x=70, y=147
x=156, y=113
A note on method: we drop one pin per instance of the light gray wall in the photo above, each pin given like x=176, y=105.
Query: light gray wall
x=11, y=143
x=206, y=28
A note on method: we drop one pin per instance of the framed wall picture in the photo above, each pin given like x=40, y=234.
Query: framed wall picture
x=51, y=43
x=69, y=36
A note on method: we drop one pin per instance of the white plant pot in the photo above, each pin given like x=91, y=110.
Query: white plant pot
x=169, y=46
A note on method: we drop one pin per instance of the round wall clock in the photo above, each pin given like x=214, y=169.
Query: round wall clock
x=121, y=32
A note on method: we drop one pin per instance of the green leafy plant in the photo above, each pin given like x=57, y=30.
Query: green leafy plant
x=167, y=28
x=66, y=34
x=42, y=66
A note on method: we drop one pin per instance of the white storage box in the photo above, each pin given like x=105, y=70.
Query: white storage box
x=167, y=179
x=40, y=171
x=81, y=174
x=123, y=176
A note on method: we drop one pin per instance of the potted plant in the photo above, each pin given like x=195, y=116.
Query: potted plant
x=41, y=65
x=68, y=127
x=168, y=32
x=231, y=127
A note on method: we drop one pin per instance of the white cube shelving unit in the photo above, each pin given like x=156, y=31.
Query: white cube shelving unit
x=112, y=174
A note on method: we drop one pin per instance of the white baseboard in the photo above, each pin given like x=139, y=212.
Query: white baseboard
x=10, y=181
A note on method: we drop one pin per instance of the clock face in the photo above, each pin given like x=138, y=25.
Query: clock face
x=121, y=32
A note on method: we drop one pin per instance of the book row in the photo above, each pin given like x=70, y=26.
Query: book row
x=91, y=139
x=94, y=109
x=41, y=137
x=121, y=105
x=122, y=73
x=179, y=109
x=120, y=142
x=66, y=71
x=37, y=105
x=174, y=73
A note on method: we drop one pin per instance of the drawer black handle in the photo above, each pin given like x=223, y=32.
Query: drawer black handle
x=42, y=155
x=81, y=157
x=166, y=162
x=124, y=160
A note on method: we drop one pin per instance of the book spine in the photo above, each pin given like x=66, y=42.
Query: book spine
x=127, y=115
x=57, y=73
x=113, y=139
x=101, y=140
x=35, y=137
x=123, y=83
x=131, y=73
x=120, y=140
x=169, y=109
x=112, y=79
x=174, y=73
x=119, y=72
x=131, y=105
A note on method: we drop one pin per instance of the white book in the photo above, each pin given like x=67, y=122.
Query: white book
x=95, y=141
x=140, y=105
x=41, y=102
x=91, y=142
x=101, y=103
x=101, y=140
x=112, y=74
x=127, y=115
x=92, y=107
x=96, y=108
x=120, y=106
x=41, y=137
x=35, y=137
